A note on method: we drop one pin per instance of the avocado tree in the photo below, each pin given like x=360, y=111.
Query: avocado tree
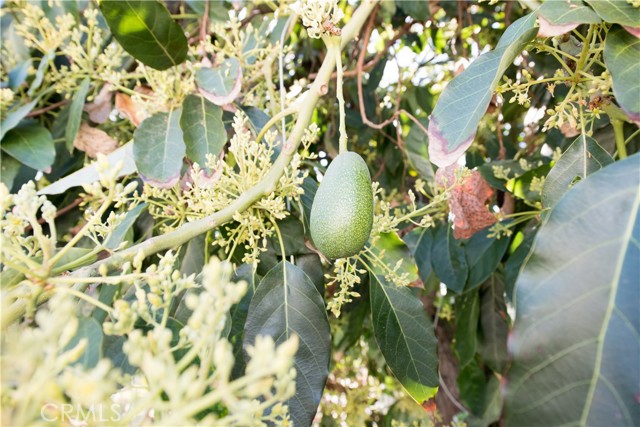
x=320, y=212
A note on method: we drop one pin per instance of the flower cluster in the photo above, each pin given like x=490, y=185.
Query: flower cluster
x=346, y=276
x=320, y=17
x=246, y=165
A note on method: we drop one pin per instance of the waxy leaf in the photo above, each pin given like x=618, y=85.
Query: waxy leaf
x=405, y=336
x=617, y=11
x=575, y=342
x=464, y=101
x=287, y=302
x=31, y=144
x=449, y=259
x=75, y=113
x=88, y=329
x=12, y=118
x=146, y=30
x=583, y=157
x=494, y=324
x=158, y=149
x=89, y=174
x=622, y=56
x=220, y=84
x=203, y=129
x=561, y=16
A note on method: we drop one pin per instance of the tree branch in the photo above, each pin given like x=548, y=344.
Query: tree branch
x=266, y=186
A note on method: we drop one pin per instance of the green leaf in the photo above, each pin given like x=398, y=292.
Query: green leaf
x=467, y=315
x=392, y=251
x=193, y=259
x=575, y=341
x=118, y=235
x=113, y=351
x=12, y=118
x=220, y=84
x=420, y=242
x=146, y=30
x=203, y=130
x=472, y=385
x=621, y=53
x=405, y=336
x=31, y=144
x=286, y=303
x=90, y=330
x=463, y=102
x=75, y=113
x=617, y=11
x=449, y=260
x=494, y=324
x=217, y=10
x=238, y=316
x=89, y=174
x=563, y=12
x=521, y=186
x=158, y=149
x=9, y=168
x=417, y=9
x=43, y=66
x=483, y=256
x=416, y=145
x=513, y=264
x=583, y=157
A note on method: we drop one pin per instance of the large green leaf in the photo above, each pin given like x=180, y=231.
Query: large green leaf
x=617, y=11
x=9, y=168
x=575, y=343
x=11, y=118
x=467, y=317
x=416, y=146
x=622, y=54
x=463, y=102
x=203, y=130
x=583, y=157
x=31, y=144
x=89, y=173
x=394, y=254
x=483, y=256
x=563, y=12
x=158, y=149
x=238, y=316
x=420, y=241
x=405, y=336
x=90, y=330
x=494, y=324
x=449, y=260
x=146, y=30
x=75, y=113
x=287, y=302
x=220, y=84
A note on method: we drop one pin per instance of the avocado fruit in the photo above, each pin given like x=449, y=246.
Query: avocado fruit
x=342, y=211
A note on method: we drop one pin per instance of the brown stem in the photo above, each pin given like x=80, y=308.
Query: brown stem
x=204, y=25
x=43, y=110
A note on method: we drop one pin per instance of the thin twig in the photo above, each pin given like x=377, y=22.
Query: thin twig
x=43, y=110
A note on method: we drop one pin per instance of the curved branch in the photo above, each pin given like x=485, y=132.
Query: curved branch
x=265, y=187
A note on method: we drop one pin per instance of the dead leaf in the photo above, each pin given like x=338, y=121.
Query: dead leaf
x=131, y=109
x=93, y=141
x=100, y=108
x=467, y=202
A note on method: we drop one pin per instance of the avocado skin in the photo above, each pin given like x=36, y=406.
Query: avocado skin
x=342, y=211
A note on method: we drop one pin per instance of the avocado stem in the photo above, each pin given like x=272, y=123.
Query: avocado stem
x=342, y=142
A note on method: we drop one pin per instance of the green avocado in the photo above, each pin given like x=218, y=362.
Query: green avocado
x=342, y=211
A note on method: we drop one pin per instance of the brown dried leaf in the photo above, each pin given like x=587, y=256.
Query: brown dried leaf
x=467, y=202
x=100, y=108
x=93, y=141
x=131, y=109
